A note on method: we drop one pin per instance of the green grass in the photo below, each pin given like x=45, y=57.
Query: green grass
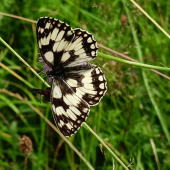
x=132, y=118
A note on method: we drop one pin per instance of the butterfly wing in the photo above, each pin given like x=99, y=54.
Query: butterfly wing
x=61, y=45
x=53, y=36
x=69, y=111
x=88, y=84
x=82, y=48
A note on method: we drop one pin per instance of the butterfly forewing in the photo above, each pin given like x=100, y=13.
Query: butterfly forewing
x=69, y=111
x=61, y=45
x=53, y=36
x=83, y=48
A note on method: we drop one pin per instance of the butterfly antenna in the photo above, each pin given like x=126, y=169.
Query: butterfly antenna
x=41, y=72
x=44, y=77
x=39, y=62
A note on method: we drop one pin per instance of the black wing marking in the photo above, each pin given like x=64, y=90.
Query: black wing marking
x=69, y=111
x=88, y=84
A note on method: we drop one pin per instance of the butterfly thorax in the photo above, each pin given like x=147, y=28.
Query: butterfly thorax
x=57, y=72
x=61, y=72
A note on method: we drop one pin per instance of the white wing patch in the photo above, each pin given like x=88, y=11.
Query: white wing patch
x=56, y=90
x=65, y=57
x=49, y=56
x=60, y=36
x=54, y=34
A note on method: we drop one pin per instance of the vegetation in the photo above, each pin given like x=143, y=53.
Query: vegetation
x=132, y=118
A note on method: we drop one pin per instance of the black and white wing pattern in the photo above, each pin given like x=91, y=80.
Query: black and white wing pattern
x=76, y=84
x=69, y=111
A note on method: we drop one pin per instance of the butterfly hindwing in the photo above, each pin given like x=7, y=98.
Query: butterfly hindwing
x=89, y=84
x=69, y=111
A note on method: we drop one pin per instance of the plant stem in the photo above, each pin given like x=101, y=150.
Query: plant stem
x=150, y=18
x=21, y=59
x=25, y=162
x=133, y=63
x=149, y=90
x=111, y=152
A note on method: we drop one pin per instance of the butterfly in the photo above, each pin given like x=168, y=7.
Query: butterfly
x=76, y=84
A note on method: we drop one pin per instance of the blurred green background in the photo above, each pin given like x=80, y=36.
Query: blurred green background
x=127, y=118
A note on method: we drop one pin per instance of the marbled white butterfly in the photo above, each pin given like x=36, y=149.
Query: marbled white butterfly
x=76, y=84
